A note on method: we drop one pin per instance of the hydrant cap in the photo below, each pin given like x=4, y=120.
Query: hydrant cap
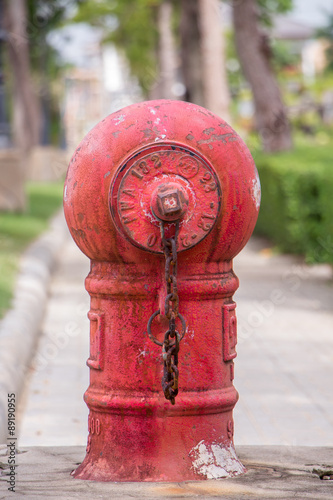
x=104, y=151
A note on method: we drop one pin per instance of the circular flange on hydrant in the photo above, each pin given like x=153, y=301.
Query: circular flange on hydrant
x=161, y=196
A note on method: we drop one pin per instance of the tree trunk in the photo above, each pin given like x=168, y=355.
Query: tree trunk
x=167, y=55
x=254, y=54
x=214, y=77
x=26, y=106
x=190, y=51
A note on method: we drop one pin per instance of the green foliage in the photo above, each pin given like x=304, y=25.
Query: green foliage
x=283, y=56
x=44, y=16
x=269, y=8
x=297, y=202
x=18, y=230
x=131, y=24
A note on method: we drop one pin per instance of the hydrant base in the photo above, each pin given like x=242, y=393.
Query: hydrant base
x=212, y=462
x=160, y=449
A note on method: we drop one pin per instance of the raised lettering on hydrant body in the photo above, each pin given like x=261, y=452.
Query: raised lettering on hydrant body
x=161, y=196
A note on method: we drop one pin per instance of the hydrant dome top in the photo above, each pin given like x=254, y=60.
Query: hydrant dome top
x=120, y=136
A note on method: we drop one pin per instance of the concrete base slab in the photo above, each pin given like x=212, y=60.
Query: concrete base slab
x=273, y=472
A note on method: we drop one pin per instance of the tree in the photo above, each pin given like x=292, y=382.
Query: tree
x=44, y=16
x=166, y=53
x=255, y=55
x=214, y=77
x=203, y=57
x=132, y=26
x=143, y=28
x=33, y=66
x=26, y=107
x=190, y=51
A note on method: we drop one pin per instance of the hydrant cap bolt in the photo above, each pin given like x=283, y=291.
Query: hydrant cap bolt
x=169, y=202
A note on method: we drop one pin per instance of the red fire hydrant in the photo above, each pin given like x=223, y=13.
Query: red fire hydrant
x=161, y=196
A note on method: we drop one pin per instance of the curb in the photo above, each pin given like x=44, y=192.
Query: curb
x=20, y=327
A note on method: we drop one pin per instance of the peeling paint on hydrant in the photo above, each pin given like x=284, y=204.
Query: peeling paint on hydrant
x=215, y=461
x=256, y=191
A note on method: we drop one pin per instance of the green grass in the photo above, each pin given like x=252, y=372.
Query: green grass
x=18, y=230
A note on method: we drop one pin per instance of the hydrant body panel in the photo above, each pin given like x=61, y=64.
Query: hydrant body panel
x=144, y=167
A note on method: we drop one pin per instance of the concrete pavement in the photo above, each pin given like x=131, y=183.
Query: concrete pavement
x=283, y=372
x=273, y=472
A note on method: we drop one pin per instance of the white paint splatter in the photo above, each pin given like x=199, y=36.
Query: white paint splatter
x=153, y=111
x=163, y=136
x=119, y=119
x=142, y=353
x=215, y=461
x=256, y=191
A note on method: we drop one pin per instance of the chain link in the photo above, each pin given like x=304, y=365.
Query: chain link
x=172, y=338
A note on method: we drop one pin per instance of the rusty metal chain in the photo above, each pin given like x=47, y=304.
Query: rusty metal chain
x=172, y=338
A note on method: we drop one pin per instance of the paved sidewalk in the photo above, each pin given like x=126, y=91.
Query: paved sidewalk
x=283, y=372
x=284, y=368
x=54, y=412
